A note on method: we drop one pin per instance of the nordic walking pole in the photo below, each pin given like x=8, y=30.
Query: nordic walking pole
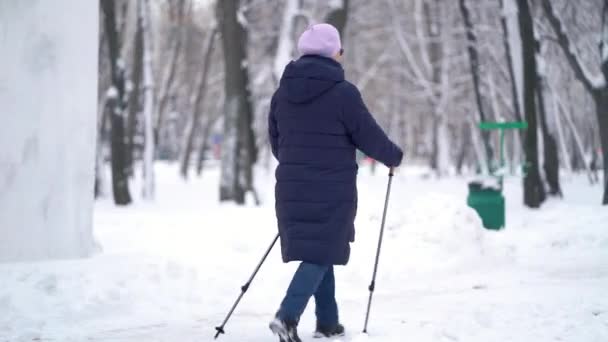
x=372, y=286
x=244, y=288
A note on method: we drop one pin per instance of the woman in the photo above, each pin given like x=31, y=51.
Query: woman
x=317, y=122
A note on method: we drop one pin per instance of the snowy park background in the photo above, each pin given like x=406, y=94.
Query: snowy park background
x=136, y=197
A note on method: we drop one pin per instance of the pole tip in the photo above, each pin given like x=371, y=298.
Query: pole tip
x=220, y=330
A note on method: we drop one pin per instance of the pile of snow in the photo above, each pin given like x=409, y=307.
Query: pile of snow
x=70, y=298
x=435, y=231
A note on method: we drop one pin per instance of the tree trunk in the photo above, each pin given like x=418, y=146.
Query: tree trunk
x=601, y=105
x=475, y=75
x=518, y=136
x=579, y=161
x=285, y=39
x=100, y=179
x=551, y=162
x=481, y=165
x=560, y=133
x=198, y=105
x=205, y=136
x=494, y=98
x=118, y=104
x=168, y=75
x=239, y=152
x=576, y=160
x=550, y=153
x=509, y=58
x=516, y=147
x=338, y=17
x=134, y=96
x=601, y=100
x=534, y=191
x=204, y=145
x=440, y=157
x=464, y=147
x=148, y=108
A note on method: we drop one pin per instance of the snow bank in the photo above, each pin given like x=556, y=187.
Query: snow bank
x=435, y=232
x=52, y=300
x=48, y=94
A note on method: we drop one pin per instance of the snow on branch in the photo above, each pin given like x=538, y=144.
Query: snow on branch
x=112, y=93
x=241, y=17
x=590, y=82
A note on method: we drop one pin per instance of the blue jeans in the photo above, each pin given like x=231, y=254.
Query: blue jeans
x=309, y=280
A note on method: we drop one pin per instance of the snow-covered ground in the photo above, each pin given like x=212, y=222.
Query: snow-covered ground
x=169, y=270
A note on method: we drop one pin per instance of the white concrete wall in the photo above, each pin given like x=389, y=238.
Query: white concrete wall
x=48, y=101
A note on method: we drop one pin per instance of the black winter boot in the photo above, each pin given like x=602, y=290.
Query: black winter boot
x=324, y=331
x=286, y=330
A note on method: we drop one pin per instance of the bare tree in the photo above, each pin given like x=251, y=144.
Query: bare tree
x=118, y=106
x=430, y=71
x=551, y=157
x=534, y=191
x=100, y=179
x=597, y=86
x=509, y=59
x=285, y=39
x=135, y=93
x=239, y=151
x=197, y=105
x=148, y=105
x=207, y=127
x=169, y=71
x=475, y=73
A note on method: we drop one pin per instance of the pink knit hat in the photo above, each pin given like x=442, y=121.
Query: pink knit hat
x=320, y=39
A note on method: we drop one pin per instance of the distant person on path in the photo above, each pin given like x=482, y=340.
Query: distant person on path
x=317, y=122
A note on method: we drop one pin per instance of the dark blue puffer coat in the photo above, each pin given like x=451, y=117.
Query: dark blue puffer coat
x=317, y=122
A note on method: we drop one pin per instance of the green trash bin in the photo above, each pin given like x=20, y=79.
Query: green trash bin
x=489, y=204
x=488, y=201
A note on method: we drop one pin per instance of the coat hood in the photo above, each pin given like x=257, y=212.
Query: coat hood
x=309, y=77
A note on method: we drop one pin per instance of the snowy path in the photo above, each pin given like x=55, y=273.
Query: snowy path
x=169, y=271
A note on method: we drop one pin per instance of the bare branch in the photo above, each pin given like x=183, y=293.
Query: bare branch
x=569, y=49
x=371, y=71
x=404, y=47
